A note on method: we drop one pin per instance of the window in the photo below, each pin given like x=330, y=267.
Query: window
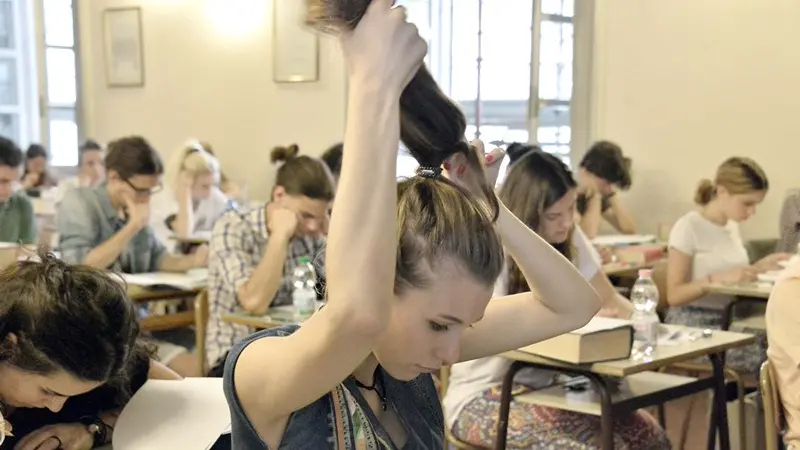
x=61, y=80
x=18, y=117
x=480, y=52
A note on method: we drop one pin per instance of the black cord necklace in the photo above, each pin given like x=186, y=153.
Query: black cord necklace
x=377, y=386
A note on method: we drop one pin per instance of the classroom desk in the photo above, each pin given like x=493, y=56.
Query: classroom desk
x=611, y=405
x=275, y=317
x=616, y=269
x=163, y=322
x=748, y=290
x=742, y=293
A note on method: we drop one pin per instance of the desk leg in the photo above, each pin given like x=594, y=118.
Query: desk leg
x=719, y=412
x=505, y=405
x=606, y=413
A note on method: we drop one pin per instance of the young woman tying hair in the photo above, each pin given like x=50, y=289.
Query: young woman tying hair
x=541, y=192
x=706, y=247
x=50, y=315
x=410, y=268
x=254, y=252
x=190, y=202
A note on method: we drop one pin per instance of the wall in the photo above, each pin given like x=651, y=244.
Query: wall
x=683, y=84
x=204, y=82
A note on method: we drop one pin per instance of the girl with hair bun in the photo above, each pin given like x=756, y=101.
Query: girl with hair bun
x=253, y=253
x=410, y=267
x=191, y=201
x=706, y=248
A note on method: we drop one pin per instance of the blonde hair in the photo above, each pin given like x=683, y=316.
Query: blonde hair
x=193, y=159
x=738, y=175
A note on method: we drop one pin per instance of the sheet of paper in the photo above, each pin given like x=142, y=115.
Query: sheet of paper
x=190, y=280
x=602, y=324
x=612, y=240
x=770, y=277
x=190, y=414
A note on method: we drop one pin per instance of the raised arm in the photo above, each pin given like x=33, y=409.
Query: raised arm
x=382, y=54
x=560, y=300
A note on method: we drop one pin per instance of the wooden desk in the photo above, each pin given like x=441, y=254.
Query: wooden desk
x=748, y=290
x=616, y=269
x=142, y=294
x=664, y=356
x=275, y=317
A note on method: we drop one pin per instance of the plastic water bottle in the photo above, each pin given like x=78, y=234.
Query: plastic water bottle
x=304, y=297
x=644, y=297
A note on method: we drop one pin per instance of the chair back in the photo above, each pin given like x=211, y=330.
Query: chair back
x=200, y=324
x=773, y=408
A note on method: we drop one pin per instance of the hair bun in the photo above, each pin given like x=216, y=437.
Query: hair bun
x=284, y=154
x=517, y=150
x=704, y=193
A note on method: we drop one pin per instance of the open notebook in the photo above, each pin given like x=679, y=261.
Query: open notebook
x=189, y=414
x=193, y=279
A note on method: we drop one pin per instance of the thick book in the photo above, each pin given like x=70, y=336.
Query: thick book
x=602, y=339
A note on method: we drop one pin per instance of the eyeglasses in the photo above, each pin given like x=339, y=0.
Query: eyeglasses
x=145, y=191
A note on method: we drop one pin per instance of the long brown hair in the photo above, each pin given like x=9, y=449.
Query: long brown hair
x=437, y=220
x=535, y=182
x=738, y=175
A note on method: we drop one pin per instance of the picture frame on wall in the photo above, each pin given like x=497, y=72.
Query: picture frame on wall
x=123, y=47
x=295, y=48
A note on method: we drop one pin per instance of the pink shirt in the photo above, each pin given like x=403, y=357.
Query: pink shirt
x=783, y=334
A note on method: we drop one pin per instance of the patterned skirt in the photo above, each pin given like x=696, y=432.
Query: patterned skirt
x=746, y=359
x=533, y=427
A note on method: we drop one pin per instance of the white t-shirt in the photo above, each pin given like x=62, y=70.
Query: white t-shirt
x=713, y=249
x=164, y=205
x=469, y=379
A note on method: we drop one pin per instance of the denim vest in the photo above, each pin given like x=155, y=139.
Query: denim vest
x=416, y=403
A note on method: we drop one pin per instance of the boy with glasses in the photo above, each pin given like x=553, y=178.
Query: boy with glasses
x=107, y=227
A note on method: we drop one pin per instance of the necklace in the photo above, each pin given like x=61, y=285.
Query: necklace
x=377, y=386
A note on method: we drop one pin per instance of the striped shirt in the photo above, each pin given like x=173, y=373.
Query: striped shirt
x=237, y=246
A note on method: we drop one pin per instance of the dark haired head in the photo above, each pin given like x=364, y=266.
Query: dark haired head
x=74, y=318
x=36, y=151
x=535, y=183
x=131, y=156
x=90, y=145
x=517, y=150
x=605, y=160
x=10, y=154
x=333, y=159
x=301, y=175
x=432, y=126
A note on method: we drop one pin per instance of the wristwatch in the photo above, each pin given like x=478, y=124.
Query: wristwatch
x=97, y=428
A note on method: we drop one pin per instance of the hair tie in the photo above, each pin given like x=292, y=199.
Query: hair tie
x=432, y=172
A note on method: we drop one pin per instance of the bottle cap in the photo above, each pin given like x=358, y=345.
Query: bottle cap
x=304, y=260
x=645, y=273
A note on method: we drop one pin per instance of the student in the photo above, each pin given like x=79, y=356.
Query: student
x=604, y=171
x=333, y=159
x=705, y=247
x=17, y=220
x=233, y=190
x=790, y=223
x=253, y=253
x=37, y=175
x=410, y=270
x=91, y=169
x=541, y=192
x=783, y=335
x=67, y=330
x=191, y=202
x=107, y=226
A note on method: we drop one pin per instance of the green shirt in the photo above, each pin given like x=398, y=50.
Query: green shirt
x=17, y=221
